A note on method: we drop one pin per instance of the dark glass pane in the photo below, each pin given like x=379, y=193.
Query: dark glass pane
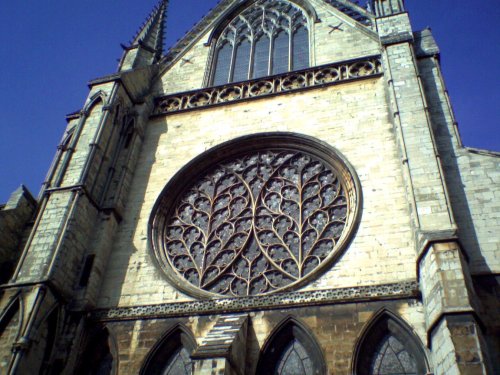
x=242, y=61
x=221, y=75
x=294, y=360
x=280, y=53
x=261, y=57
x=392, y=358
x=179, y=364
x=300, y=49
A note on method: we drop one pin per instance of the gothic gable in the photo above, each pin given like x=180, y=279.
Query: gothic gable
x=337, y=31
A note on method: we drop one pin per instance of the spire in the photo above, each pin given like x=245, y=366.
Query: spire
x=151, y=33
x=147, y=45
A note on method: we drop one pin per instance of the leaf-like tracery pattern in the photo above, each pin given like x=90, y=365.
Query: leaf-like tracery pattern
x=256, y=224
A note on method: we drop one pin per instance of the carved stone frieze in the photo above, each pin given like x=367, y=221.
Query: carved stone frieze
x=401, y=290
x=283, y=83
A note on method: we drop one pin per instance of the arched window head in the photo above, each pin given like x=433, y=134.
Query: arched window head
x=291, y=350
x=388, y=347
x=172, y=354
x=269, y=37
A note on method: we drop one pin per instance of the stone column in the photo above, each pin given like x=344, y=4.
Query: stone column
x=454, y=333
x=454, y=336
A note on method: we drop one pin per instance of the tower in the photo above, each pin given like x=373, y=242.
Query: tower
x=284, y=191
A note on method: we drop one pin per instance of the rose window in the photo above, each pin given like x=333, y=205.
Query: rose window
x=259, y=220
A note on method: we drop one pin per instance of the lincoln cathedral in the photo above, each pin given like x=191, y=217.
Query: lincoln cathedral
x=282, y=192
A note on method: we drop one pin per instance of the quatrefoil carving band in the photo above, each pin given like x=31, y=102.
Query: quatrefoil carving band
x=259, y=220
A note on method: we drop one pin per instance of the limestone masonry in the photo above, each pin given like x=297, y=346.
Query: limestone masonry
x=284, y=191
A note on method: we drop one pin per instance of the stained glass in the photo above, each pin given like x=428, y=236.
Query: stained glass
x=392, y=358
x=280, y=53
x=261, y=58
x=257, y=223
x=264, y=21
x=300, y=49
x=242, y=60
x=179, y=364
x=294, y=361
x=223, y=63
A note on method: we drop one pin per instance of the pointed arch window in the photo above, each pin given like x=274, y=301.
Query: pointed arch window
x=388, y=347
x=172, y=354
x=179, y=363
x=291, y=350
x=391, y=357
x=269, y=37
x=294, y=360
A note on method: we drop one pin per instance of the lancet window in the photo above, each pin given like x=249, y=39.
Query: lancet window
x=294, y=360
x=179, y=363
x=389, y=348
x=291, y=350
x=269, y=37
x=172, y=355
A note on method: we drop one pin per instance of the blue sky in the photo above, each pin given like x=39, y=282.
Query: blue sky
x=52, y=48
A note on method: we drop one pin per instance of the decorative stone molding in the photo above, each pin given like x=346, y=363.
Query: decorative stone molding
x=401, y=290
x=318, y=76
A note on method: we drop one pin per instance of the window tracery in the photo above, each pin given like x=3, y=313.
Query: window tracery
x=255, y=223
x=269, y=37
x=392, y=358
x=179, y=363
x=291, y=350
x=388, y=347
x=294, y=360
x=172, y=354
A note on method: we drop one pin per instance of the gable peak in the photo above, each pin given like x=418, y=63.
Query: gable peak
x=151, y=34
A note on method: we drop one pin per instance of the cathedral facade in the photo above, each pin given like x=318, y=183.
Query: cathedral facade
x=284, y=192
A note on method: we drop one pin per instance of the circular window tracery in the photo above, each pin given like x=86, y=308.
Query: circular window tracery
x=256, y=215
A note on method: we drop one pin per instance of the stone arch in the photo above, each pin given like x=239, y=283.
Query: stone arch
x=384, y=335
x=241, y=23
x=291, y=338
x=119, y=160
x=98, y=97
x=175, y=343
x=237, y=8
x=10, y=324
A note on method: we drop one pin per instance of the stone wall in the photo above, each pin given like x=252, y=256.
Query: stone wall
x=472, y=177
x=9, y=330
x=352, y=118
x=335, y=328
x=14, y=218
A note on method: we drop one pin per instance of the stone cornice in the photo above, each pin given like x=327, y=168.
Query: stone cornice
x=401, y=290
x=319, y=76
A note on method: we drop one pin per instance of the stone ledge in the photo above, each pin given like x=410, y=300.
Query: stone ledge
x=401, y=290
x=315, y=77
x=396, y=38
